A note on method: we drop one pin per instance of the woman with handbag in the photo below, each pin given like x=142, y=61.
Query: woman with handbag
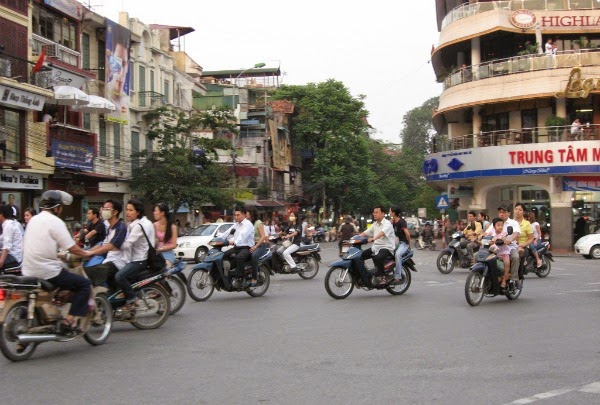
x=140, y=235
x=166, y=232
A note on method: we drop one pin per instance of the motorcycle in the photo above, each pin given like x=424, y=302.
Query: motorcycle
x=307, y=259
x=453, y=255
x=177, y=282
x=484, y=276
x=350, y=272
x=528, y=263
x=32, y=311
x=422, y=244
x=214, y=272
x=154, y=303
x=14, y=270
x=319, y=236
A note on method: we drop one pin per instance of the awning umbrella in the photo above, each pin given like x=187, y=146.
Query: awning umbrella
x=68, y=95
x=97, y=105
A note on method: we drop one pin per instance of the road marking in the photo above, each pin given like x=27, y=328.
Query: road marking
x=577, y=291
x=593, y=388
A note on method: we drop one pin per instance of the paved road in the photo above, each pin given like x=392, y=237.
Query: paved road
x=298, y=345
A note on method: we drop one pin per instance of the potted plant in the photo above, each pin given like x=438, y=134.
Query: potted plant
x=556, y=126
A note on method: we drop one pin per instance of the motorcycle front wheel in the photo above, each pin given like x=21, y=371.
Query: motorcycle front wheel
x=473, y=291
x=200, y=285
x=513, y=293
x=444, y=262
x=154, y=308
x=545, y=270
x=178, y=293
x=336, y=286
x=312, y=268
x=100, y=322
x=399, y=289
x=15, y=323
x=264, y=279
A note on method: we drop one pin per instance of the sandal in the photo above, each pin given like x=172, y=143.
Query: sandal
x=383, y=281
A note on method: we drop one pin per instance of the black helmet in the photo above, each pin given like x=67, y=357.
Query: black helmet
x=54, y=198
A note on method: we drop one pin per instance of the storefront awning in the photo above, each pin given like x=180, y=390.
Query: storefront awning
x=269, y=203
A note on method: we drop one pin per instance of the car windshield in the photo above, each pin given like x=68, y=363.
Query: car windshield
x=203, y=230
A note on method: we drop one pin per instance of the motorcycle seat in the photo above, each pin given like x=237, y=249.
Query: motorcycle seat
x=312, y=246
x=25, y=281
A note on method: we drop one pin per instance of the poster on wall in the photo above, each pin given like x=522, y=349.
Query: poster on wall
x=581, y=183
x=118, y=39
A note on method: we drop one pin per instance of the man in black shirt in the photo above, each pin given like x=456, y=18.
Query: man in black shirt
x=401, y=231
x=346, y=231
x=96, y=229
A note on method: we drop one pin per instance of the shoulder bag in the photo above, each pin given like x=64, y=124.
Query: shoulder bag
x=156, y=261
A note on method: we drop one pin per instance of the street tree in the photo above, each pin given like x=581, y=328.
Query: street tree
x=418, y=130
x=182, y=168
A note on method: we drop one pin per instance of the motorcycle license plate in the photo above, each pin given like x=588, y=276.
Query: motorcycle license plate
x=345, y=249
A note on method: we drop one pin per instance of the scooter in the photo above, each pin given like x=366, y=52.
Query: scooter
x=214, y=272
x=32, y=311
x=484, y=276
x=424, y=244
x=307, y=259
x=350, y=272
x=528, y=263
x=453, y=255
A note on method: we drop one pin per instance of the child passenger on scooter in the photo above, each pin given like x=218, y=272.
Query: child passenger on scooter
x=502, y=251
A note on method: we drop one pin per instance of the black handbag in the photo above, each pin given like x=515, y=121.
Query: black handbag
x=156, y=261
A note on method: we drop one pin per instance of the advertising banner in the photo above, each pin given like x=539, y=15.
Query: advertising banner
x=118, y=40
x=579, y=183
x=73, y=155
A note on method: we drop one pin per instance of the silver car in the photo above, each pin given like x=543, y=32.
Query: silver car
x=195, y=246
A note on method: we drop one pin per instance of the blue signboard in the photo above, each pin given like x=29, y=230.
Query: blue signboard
x=73, y=155
x=441, y=202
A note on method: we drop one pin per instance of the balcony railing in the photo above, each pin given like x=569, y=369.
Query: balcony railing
x=522, y=64
x=469, y=9
x=149, y=99
x=519, y=136
x=54, y=50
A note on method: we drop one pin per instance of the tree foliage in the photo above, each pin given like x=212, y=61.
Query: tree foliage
x=418, y=130
x=182, y=169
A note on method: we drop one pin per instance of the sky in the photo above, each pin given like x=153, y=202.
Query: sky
x=378, y=48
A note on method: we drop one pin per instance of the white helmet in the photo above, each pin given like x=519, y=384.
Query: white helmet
x=54, y=198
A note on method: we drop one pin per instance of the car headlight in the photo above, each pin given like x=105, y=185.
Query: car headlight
x=184, y=245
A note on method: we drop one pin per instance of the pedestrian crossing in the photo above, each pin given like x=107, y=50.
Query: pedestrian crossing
x=569, y=394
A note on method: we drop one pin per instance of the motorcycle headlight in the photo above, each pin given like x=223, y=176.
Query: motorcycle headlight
x=184, y=245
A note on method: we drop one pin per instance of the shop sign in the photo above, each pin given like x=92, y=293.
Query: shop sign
x=73, y=155
x=17, y=180
x=68, y=7
x=570, y=21
x=523, y=19
x=581, y=183
x=577, y=87
x=21, y=99
x=55, y=76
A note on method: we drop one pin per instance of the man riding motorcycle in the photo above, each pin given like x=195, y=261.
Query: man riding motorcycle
x=381, y=233
x=46, y=235
x=472, y=233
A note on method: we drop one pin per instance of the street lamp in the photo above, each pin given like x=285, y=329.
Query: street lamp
x=233, y=105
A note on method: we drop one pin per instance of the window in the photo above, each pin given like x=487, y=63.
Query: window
x=86, y=121
x=117, y=140
x=101, y=60
x=131, y=76
x=54, y=27
x=85, y=51
x=102, y=136
x=142, y=88
x=135, y=148
x=149, y=146
x=166, y=91
x=152, y=80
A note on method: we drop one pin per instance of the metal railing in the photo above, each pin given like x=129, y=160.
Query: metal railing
x=519, y=136
x=469, y=9
x=149, y=99
x=522, y=64
x=54, y=50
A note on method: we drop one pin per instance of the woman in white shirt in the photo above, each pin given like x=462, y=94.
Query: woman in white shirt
x=537, y=242
x=12, y=239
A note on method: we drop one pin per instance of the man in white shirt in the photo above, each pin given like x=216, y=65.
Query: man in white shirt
x=46, y=234
x=12, y=240
x=504, y=215
x=381, y=233
x=243, y=240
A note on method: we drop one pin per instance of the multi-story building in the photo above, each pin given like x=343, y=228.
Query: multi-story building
x=516, y=75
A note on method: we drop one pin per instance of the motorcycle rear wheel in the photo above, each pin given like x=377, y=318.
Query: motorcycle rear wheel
x=335, y=286
x=544, y=272
x=178, y=293
x=158, y=296
x=473, y=292
x=399, y=289
x=15, y=323
x=101, y=323
x=264, y=279
x=312, y=268
x=200, y=285
x=445, y=263
x=513, y=294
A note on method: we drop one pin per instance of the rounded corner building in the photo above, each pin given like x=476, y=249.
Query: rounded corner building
x=519, y=116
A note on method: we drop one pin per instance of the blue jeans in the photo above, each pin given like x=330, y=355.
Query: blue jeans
x=255, y=256
x=535, y=246
x=126, y=272
x=400, y=250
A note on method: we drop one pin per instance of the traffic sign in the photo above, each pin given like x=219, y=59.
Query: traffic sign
x=441, y=202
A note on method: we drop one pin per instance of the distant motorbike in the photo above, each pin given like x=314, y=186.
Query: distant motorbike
x=528, y=263
x=319, y=236
x=350, y=272
x=484, y=277
x=214, y=272
x=421, y=244
x=453, y=255
x=307, y=259
x=32, y=310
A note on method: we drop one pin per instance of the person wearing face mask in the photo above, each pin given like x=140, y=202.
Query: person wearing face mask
x=115, y=258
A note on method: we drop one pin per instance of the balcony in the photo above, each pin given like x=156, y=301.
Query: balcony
x=522, y=64
x=147, y=100
x=54, y=50
x=536, y=135
x=469, y=9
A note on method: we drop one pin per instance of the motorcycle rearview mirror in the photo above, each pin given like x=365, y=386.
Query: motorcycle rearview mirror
x=509, y=230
